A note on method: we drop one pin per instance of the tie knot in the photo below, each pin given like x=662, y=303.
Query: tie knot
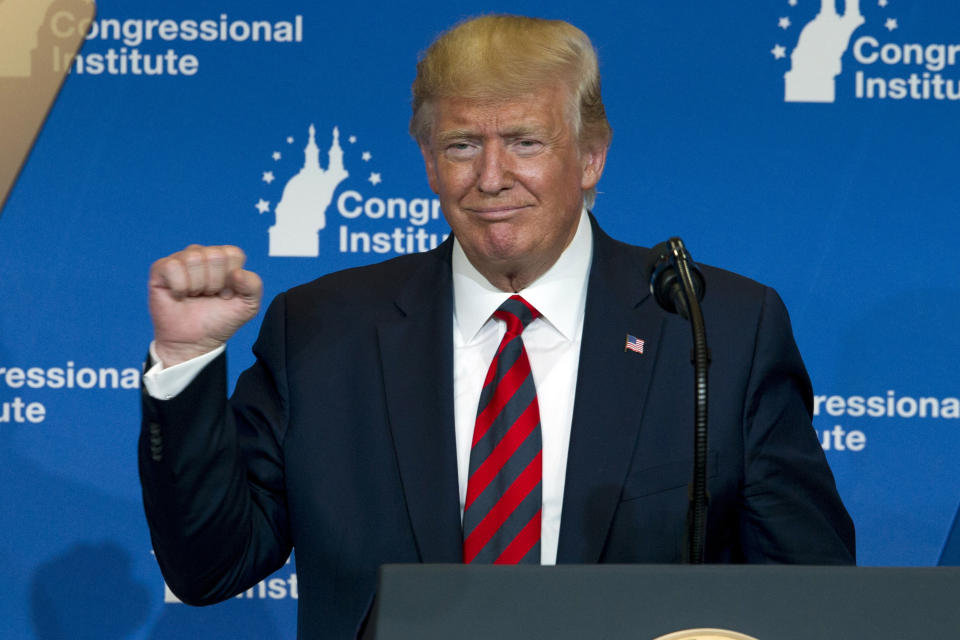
x=517, y=313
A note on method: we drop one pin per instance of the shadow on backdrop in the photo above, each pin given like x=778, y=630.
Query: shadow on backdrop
x=88, y=593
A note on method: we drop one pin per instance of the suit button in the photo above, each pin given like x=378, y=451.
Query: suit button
x=156, y=442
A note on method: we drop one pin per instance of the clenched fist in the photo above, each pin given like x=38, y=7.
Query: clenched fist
x=199, y=297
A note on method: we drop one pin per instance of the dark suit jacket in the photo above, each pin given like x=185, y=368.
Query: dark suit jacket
x=340, y=439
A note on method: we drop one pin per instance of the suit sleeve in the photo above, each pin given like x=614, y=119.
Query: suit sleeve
x=792, y=512
x=212, y=475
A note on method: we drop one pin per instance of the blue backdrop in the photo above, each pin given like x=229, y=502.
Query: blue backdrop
x=186, y=123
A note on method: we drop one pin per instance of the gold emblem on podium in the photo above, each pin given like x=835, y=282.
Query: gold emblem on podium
x=705, y=634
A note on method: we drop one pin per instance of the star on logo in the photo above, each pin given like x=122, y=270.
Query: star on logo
x=374, y=178
x=882, y=3
x=891, y=24
x=779, y=51
x=365, y=156
x=276, y=156
x=268, y=177
x=784, y=23
x=793, y=3
x=352, y=139
x=262, y=206
x=289, y=139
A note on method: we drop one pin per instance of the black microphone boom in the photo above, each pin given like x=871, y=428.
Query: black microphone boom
x=678, y=286
x=665, y=281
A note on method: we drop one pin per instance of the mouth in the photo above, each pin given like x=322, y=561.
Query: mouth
x=497, y=213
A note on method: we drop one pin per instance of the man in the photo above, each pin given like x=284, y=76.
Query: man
x=360, y=436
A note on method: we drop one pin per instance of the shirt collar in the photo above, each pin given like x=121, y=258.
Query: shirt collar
x=475, y=299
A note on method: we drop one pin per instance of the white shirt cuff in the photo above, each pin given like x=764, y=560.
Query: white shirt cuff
x=165, y=383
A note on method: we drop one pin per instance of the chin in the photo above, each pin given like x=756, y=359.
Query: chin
x=504, y=247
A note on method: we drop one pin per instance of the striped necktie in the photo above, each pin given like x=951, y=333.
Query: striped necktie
x=501, y=515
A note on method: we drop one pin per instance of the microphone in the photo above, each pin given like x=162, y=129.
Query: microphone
x=678, y=287
x=667, y=262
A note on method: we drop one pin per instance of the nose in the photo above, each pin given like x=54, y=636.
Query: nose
x=494, y=173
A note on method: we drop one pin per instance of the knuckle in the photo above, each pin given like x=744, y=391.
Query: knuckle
x=158, y=267
x=191, y=258
x=235, y=254
x=215, y=256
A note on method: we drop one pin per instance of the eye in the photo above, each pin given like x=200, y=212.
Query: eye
x=460, y=150
x=527, y=146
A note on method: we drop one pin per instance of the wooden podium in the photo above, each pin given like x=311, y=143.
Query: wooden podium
x=645, y=602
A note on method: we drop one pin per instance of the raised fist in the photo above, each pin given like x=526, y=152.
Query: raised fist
x=198, y=298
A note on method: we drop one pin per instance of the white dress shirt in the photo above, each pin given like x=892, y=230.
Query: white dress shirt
x=552, y=343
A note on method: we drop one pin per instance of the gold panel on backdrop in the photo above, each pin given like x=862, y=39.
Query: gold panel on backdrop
x=38, y=41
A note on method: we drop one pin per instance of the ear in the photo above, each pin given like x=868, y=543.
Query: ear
x=430, y=164
x=592, y=160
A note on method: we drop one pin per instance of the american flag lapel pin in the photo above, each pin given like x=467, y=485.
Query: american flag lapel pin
x=633, y=344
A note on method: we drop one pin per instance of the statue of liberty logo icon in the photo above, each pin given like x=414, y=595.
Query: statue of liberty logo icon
x=301, y=212
x=815, y=62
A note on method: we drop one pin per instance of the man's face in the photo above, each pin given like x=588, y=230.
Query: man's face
x=510, y=176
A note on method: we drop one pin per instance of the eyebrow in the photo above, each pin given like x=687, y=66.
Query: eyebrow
x=517, y=131
x=456, y=134
x=522, y=131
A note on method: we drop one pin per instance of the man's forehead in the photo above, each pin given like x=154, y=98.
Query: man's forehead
x=507, y=115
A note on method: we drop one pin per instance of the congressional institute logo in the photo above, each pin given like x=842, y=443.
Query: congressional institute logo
x=865, y=52
x=339, y=203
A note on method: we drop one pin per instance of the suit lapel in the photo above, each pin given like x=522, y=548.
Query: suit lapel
x=417, y=357
x=612, y=384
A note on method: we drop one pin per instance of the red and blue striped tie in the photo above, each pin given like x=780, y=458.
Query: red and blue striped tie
x=501, y=516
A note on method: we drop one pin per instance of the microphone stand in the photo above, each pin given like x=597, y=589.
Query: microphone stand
x=686, y=303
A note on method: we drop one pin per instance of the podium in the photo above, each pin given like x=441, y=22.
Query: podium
x=644, y=602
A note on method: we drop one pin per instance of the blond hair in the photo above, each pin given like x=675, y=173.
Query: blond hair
x=504, y=57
